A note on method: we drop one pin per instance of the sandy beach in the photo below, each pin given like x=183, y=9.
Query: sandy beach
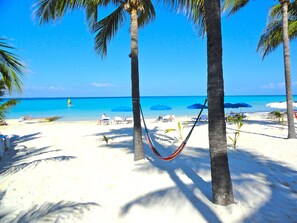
x=65, y=172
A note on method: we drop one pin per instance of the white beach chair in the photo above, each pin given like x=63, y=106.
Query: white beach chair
x=129, y=120
x=118, y=120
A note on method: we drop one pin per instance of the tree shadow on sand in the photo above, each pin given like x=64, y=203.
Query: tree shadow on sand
x=274, y=183
x=266, y=186
x=20, y=157
x=51, y=212
x=199, y=159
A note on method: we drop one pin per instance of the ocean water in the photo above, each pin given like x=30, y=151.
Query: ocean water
x=93, y=108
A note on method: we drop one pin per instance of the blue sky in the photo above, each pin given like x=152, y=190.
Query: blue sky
x=172, y=57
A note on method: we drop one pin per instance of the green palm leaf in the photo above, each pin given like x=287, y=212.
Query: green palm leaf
x=5, y=106
x=47, y=10
x=11, y=68
x=271, y=36
x=107, y=28
x=147, y=15
x=92, y=14
x=233, y=6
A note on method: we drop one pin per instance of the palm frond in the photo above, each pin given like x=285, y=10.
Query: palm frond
x=11, y=67
x=233, y=6
x=47, y=10
x=92, y=14
x=107, y=28
x=5, y=106
x=147, y=15
x=276, y=12
x=197, y=16
x=272, y=36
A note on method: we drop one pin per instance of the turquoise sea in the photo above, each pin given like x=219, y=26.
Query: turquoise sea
x=92, y=108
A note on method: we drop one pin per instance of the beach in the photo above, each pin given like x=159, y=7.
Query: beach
x=63, y=171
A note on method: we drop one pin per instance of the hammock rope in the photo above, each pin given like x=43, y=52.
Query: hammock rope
x=182, y=145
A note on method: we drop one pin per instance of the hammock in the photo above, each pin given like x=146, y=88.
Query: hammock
x=182, y=145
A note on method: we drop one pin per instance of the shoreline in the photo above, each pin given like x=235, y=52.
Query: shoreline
x=253, y=115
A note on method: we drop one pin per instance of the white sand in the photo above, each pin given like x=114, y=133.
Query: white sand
x=65, y=172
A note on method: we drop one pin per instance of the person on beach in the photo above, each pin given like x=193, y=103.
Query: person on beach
x=104, y=120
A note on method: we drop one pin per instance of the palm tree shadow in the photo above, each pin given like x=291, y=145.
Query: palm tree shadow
x=272, y=180
x=51, y=212
x=245, y=167
x=190, y=165
x=21, y=158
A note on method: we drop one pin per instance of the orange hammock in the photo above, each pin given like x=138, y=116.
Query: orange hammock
x=182, y=145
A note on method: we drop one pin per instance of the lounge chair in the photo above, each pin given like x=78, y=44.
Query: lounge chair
x=118, y=120
x=168, y=118
x=129, y=120
x=203, y=118
x=104, y=121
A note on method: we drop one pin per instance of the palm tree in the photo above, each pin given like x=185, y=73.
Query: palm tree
x=140, y=11
x=11, y=68
x=272, y=36
x=206, y=15
x=220, y=174
x=234, y=6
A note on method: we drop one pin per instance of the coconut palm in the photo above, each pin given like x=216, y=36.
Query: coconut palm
x=11, y=68
x=206, y=15
x=220, y=174
x=140, y=12
x=235, y=5
x=272, y=36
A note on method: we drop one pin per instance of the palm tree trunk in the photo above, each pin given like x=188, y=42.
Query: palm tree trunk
x=220, y=174
x=137, y=138
x=287, y=65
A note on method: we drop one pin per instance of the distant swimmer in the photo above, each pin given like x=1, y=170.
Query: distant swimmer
x=69, y=102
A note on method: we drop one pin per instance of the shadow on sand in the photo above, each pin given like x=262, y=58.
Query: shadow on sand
x=19, y=157
x=51, y=212
x=279, y=185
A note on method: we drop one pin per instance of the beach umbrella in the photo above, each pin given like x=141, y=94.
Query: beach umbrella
x=122, y=109
x=230, y=105
x=243, y=105
x=160, y=107
x=196, y=106
x=280, y=105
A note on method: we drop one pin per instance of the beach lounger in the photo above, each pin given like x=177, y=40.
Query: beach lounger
x=105, y=121
x=118, y=120
x=129, y=120
x=168, y=118
x=203, y=118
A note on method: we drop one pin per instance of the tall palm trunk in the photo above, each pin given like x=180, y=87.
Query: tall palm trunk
x=287, y=65
x=137, y=139
x=220, y=174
